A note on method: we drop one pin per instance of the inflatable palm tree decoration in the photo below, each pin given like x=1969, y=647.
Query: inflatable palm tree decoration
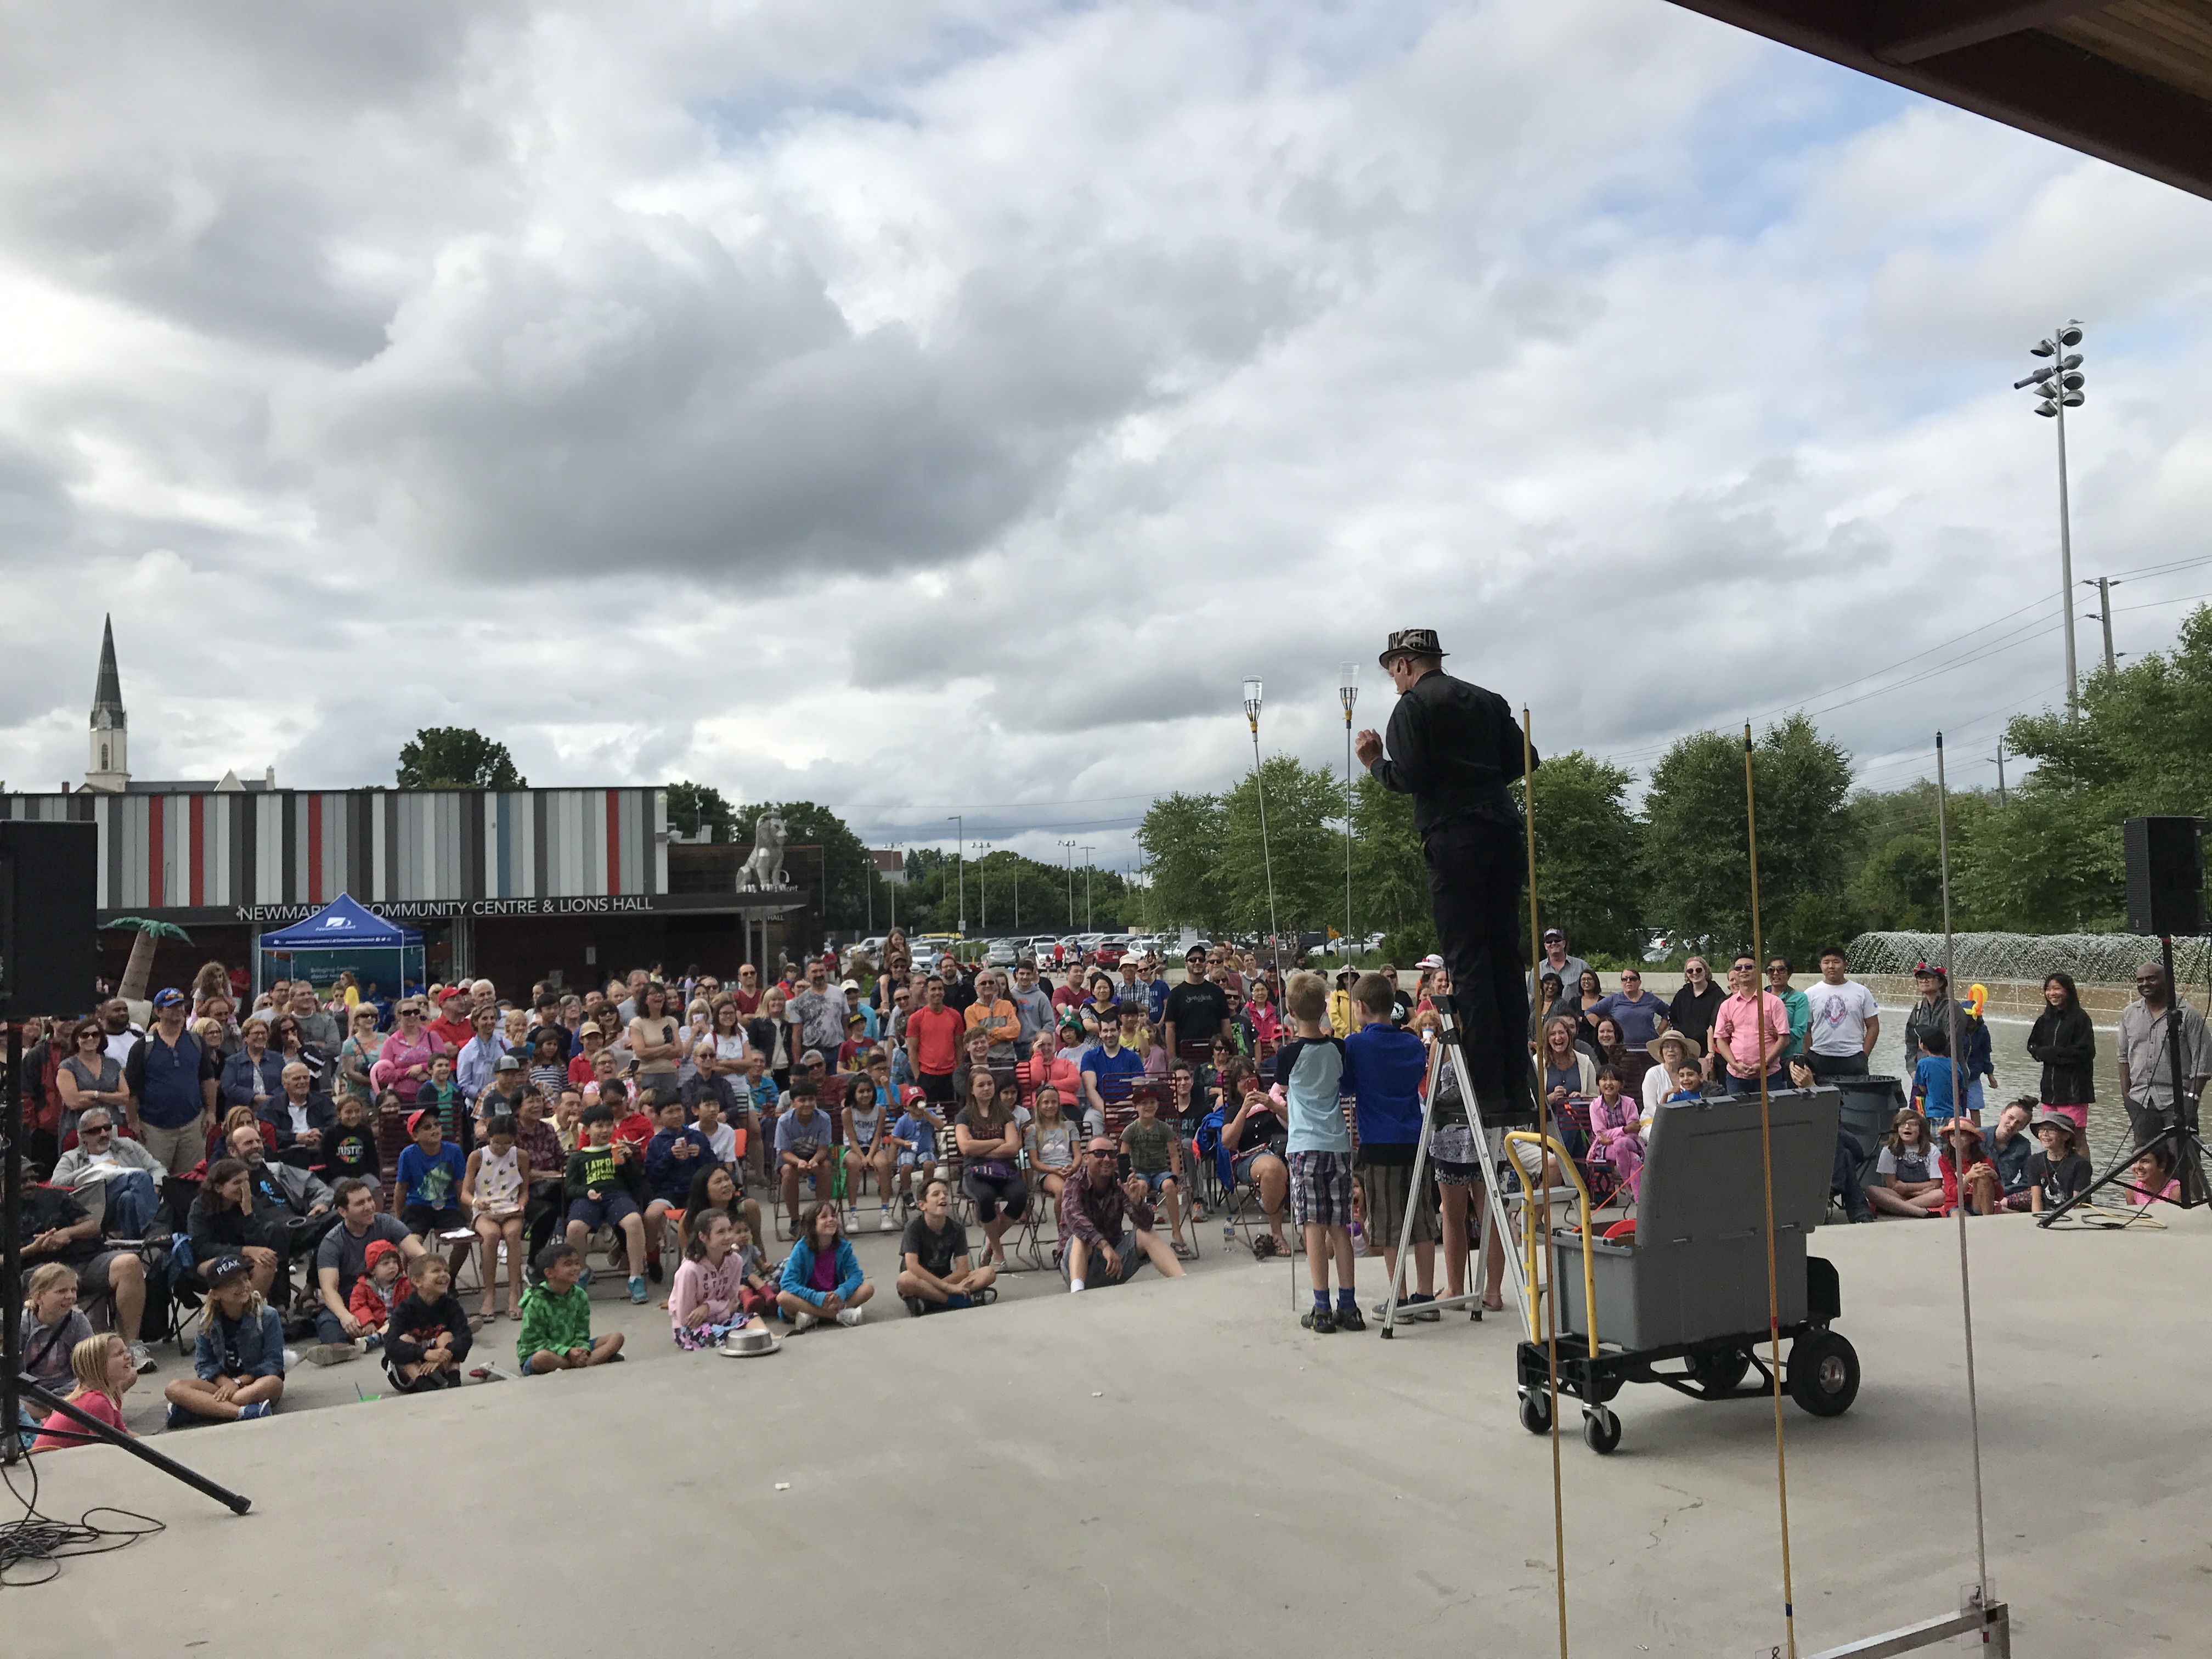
x=138, y=972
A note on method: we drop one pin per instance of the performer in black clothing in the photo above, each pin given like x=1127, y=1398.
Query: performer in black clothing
x=1454, y=747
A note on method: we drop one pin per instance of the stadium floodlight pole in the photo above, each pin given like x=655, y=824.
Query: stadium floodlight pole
x=1260, y=789
x=1071, y=884
x=2057, y=389
x=1347, y=692
x=960, y=863
x=984, y=885
x=890, y=888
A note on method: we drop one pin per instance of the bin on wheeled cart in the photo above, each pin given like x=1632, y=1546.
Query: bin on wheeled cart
x=1688, y=1294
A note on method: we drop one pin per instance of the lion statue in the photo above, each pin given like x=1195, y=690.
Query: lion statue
x=764, y=868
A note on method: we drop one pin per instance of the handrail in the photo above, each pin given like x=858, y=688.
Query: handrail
x=1529, y=1228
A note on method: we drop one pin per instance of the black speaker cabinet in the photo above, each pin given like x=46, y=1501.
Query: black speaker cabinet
x=2165, y=877
x=49, y=944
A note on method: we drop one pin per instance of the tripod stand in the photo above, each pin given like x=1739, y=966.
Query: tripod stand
x=17, y=1388
x=2177, y=1129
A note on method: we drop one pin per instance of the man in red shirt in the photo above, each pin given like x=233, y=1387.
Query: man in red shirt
x=453, y=1023
x=933, y=1036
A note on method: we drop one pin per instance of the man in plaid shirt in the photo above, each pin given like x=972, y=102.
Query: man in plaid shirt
x=1095, y=1212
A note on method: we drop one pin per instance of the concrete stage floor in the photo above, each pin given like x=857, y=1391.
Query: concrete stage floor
x=1178, y=1468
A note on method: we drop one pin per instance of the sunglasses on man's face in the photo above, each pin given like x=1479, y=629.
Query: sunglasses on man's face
x=97, y=1129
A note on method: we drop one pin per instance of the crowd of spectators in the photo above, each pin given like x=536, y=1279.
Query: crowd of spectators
x=324, y=1163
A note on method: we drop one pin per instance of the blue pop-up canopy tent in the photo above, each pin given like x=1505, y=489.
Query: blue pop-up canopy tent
x=341, y=935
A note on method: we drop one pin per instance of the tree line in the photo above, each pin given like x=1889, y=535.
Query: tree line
x=1615, y=871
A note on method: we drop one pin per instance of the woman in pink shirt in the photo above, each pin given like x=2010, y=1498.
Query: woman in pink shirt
x=403, y=1064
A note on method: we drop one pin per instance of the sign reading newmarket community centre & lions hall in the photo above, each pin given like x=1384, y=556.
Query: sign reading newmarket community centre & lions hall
x=586, y=904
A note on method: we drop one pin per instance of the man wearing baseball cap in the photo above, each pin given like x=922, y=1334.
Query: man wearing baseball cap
x=1454, y=747
x=172, y=1080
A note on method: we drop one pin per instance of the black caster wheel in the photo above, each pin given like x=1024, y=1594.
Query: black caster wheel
x=1535, y=1413
x=1600, y=1429
x=1823, y=1373
x=1721, y=1372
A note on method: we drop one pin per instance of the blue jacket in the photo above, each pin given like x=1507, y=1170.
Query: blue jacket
x=275, y=1118
x=260, y=1345
x=236, y=1088
x=669, y=1177
x=798, y=1267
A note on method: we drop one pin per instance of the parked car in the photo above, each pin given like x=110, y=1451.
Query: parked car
x=1001, y=953
x=1108, y=951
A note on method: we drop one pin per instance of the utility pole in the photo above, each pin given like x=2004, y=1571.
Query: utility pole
x=983, y=884
x=1071, y=884
x=960, y=863
x=891, y=889
x=2000, y=788
x=2105, y=585
x=1089, y=926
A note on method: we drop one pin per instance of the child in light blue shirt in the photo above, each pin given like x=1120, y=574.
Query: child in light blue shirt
x=1310, y=1068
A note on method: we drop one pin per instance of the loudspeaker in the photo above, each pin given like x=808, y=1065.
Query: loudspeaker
x=49, y=942
x=2165, y=877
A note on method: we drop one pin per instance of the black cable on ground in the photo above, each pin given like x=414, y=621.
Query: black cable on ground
x=39, y=1541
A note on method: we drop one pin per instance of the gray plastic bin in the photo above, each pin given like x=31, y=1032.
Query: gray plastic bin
x=1698, y=1266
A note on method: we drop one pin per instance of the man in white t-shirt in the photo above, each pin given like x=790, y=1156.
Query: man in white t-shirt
x=1846, y=1021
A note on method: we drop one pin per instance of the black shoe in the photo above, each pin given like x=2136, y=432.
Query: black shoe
x=914, y=1308
x=1319, y=1321
x=652, y=1269
x=1348, y=1319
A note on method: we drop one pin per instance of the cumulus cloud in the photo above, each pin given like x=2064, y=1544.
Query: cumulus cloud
x=934, y=408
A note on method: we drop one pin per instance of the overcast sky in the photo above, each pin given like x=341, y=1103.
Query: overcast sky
x=926, y=409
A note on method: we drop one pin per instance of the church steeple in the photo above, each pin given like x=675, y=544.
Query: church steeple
x=108, y=764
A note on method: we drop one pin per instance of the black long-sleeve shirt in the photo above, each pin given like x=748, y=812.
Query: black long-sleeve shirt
x=416, y=1325
x=1453, y=747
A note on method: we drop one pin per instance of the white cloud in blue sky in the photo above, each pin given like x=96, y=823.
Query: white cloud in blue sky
x=936, y=408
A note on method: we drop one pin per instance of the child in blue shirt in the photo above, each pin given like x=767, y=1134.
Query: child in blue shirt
x=1384, y=1067
x=1932, y=1076
x=428, y=1176
x=1311, y=1068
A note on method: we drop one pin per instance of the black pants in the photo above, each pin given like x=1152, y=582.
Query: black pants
x=1828, y=1065
x=1475, y=868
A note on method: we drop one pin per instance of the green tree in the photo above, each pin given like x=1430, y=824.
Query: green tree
x=1305, y=847
x=698, y=808
x=1182, y=839
x=1390, y=879
x=1590, y=877
x=1695, y=840
x=457, y=757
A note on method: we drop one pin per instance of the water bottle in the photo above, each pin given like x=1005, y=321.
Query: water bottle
x=1228, y=1231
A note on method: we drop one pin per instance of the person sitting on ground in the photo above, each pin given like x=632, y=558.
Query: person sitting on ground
x=1155, y=1152
x=238, y=1362
x=868, y=1150
x=990, y=1143
x=1106, y=1224
x=428, y=1176
x=51, y=1326
x=1934, y=1077
x=708, y=1299
x=1311, y=1066
x=2150, y=1178
x=936, y=1276
x=603, y=1185
x=1253, y=1143
x=2009, y=1150
x=1907, y=1180
x=427, y=1334
x=677, y=1153
x=715, y=1187
x=1616, y=1132
x=913, y=1139
x=494, y=1189
x=1977, y=1187
x=1050, y=1142
x=102, y=1368
x=342, y=1259
x=116, y=1182
x=804, y=1151
x=222, y=1222
x=378, y=1290
x=2060, y=1171
x=822, y=1277
x=1384, y=1069
x=556, y=1315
